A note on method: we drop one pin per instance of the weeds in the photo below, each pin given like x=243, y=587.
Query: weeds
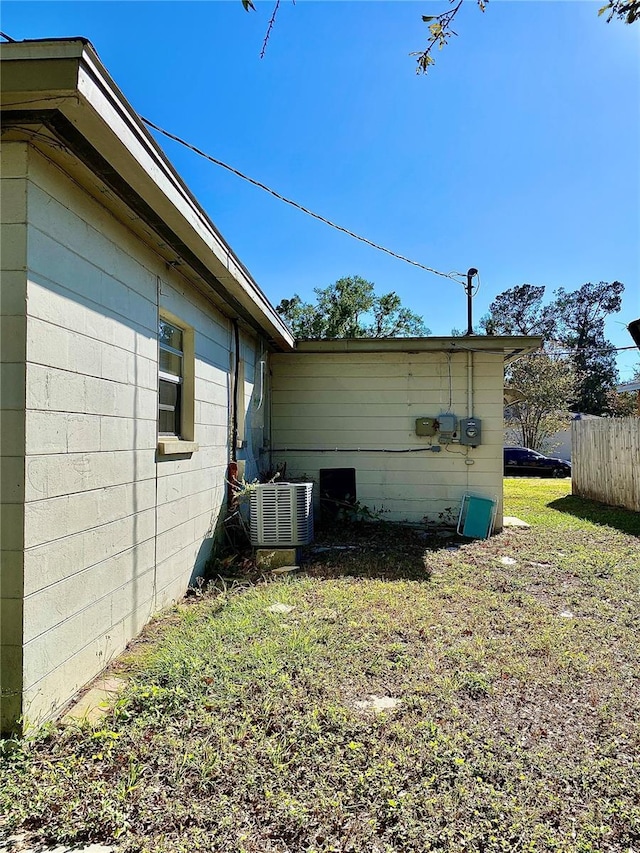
x=518, y=691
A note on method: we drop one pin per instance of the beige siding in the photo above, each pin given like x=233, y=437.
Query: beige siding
x=13, y=257
x=348, y=410
x=113, y=531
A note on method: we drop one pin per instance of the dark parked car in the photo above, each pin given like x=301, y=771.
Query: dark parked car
x=520, y=461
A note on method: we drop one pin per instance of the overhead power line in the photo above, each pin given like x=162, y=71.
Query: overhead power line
x=458, y=277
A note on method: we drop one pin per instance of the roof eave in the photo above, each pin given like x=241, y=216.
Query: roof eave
x=634, y=385
x=67, y=82
x=509, y=347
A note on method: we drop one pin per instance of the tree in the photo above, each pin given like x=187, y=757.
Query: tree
x=581, y=316
x=574, y=320
x=519, y=311
x=622, y=404
x=546, y=381
x=349, y=308
x=625, y=10
x=441, y=29
x=303, y=318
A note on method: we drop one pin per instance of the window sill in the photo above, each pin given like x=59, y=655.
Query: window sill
x=176, y=447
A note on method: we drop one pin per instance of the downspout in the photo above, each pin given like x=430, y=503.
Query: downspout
x=155, y=467
x=232, y=467
x=472, y=272
x=269, y=430
x=469, y=384
x=236, y=371
x=261, y=363
x=468, y=459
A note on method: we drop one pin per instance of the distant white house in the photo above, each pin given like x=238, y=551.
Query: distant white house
x=559, y=444
x=140, y=359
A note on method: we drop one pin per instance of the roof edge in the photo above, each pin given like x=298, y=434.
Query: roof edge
x=99, y=111
x=507, y=346
x=633, y=385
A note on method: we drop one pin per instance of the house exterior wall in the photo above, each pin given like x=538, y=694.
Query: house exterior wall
x=13, y=259
x=348, y=410
x=557, y=445
x=113, y=530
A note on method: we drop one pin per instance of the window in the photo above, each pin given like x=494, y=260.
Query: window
x=170, y=381
x=176, y=387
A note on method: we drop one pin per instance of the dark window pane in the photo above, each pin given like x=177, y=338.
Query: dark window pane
x=168, y=393
x=167, y=422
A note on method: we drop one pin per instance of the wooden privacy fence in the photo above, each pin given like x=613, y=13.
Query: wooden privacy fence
x=605, y=461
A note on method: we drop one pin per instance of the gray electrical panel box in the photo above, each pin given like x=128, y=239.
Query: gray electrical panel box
x=426, y=426
x=447, y=426
x=447, y=423
x=471, y=432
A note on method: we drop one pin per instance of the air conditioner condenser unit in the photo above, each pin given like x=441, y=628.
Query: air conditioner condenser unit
x=281, y=515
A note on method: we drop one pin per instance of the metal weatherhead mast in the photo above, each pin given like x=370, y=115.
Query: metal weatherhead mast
x=471, y=273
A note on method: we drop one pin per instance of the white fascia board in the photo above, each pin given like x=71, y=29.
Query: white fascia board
x=60, y=48
x=507, y=347
x=634, y=385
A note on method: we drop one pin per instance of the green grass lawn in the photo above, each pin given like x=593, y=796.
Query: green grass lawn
x=516, y=725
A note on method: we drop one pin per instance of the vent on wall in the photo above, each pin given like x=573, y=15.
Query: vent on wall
x=281, y=514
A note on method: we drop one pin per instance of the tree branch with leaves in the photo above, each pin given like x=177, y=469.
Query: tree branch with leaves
x=575, y=321
x=350, y=308
x=546, y=381
x=441, y=29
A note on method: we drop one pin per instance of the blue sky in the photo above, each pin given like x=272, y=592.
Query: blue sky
x=518, y=154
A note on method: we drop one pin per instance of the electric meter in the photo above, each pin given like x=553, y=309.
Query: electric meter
x=471, y=432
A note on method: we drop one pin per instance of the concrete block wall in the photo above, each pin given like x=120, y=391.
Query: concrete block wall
x=188, y=489
x=112, y=530
x=339, y=410
x=13, y=261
